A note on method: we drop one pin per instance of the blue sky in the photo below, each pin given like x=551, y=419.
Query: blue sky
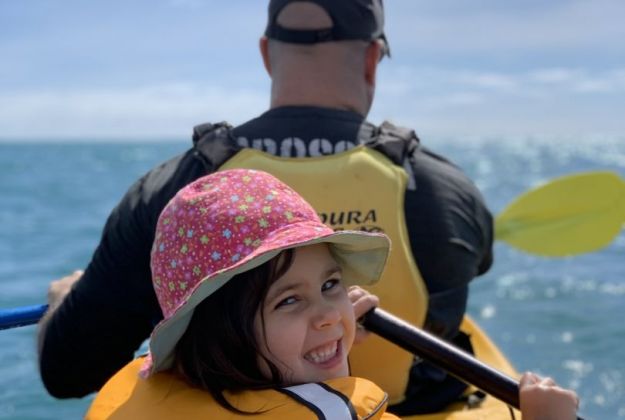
x=153, y=69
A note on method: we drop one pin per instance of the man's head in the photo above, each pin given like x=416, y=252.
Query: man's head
x=324, y=52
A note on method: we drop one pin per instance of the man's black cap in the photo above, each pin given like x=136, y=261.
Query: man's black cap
x=351, y=20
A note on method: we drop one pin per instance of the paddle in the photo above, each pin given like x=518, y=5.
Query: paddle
x=25, y=315
x=569, y=215
x=457, y=362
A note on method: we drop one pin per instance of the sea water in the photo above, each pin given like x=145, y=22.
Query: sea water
x=560, y=317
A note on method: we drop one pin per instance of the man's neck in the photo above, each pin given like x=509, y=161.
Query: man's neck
x=317, y=102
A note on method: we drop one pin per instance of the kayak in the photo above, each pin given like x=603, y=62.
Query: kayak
x=490, y=408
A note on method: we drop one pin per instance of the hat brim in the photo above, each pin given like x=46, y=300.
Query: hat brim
x=362, y=257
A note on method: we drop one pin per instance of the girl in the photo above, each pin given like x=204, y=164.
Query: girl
x=260, y=301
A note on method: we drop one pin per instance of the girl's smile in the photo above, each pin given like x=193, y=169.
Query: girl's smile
x=324, y=355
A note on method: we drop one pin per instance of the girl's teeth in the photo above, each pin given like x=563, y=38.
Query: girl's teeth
x=321, y=355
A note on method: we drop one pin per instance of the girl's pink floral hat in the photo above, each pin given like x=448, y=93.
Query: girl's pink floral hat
x=227, y=223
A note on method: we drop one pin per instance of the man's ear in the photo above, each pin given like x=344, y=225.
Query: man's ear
x=264, y=52
x=372, y=58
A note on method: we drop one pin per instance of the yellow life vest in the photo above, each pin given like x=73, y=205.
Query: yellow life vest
x=166, y=396
x=361, y=189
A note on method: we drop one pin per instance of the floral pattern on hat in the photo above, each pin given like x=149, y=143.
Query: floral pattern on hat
x=217, y=222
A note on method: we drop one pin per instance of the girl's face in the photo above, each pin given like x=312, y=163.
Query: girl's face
x=309, y=323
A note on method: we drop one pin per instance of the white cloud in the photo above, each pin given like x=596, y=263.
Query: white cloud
x=153, y=111
x=550, y=100
x=594, y=86
x=553, y=75
x=463, y=98
x=521, y=84
x=490, y=26
x=539, y=101
x=489, y=81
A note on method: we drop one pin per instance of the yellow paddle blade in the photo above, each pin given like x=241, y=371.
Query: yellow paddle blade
x=569, y=215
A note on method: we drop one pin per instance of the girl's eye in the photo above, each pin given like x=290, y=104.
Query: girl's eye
x=330, y=284
x=288, y=301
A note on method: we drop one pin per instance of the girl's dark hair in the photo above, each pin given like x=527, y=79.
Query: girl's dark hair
x=219, y=350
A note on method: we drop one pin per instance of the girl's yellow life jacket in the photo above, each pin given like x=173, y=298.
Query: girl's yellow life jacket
x=166, y=396
x=361, y=189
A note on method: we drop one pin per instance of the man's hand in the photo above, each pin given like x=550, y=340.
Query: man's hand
x=362, y=302
x=57, y=291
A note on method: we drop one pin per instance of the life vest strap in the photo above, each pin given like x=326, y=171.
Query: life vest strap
x=324, y=401
x=214, y=143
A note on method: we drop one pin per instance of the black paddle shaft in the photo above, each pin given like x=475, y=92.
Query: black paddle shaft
x=457, y=362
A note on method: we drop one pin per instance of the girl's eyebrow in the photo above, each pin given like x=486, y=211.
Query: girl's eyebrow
x=334, y=269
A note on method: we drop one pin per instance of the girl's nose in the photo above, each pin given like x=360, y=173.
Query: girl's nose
x=326, y=315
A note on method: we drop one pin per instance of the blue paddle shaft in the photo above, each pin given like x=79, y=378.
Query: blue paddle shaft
x=18, y=317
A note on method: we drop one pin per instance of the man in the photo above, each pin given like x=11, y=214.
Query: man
x=322, y=57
